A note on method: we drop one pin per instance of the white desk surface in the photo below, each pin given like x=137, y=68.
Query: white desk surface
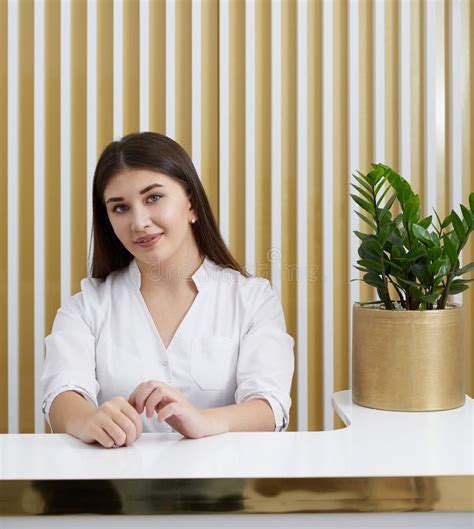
x=375, y=443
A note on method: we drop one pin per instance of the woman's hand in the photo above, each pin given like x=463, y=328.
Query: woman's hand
x=171, y=406
x=114, y=423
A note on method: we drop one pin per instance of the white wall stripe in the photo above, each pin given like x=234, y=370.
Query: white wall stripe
x=144, y=65
x=302, y=213
x=224, y=116
x=379, y=80
x=13, y=215
x=91, y=114
x=430, y=107
x=455, y=100
x=118, y=69
x=250, y=136
x=170, y=69
x=39, y=207
x=275, y=256
x=65, y=145
x=354, y=160
x=196, y=85
x=404, y=65
x=328, y=250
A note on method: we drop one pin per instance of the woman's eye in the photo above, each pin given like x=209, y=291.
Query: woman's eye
x=116, y=208
x=151, y=198
x=156, y=197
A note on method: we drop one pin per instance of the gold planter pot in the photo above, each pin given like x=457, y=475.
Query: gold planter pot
x=407, y=360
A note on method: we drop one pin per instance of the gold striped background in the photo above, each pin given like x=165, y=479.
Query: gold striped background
x=210, y=127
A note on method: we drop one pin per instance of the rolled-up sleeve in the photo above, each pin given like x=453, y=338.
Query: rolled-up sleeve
x=70, y=356
x=266, y=359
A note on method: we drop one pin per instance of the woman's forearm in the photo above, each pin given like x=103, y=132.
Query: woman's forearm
x=255, y=415
x=68, y=411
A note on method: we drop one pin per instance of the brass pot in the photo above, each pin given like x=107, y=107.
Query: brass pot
x=407, y=360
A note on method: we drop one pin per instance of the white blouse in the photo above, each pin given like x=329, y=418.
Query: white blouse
x=231, y=346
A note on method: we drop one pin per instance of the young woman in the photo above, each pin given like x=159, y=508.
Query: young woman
x=168, y=325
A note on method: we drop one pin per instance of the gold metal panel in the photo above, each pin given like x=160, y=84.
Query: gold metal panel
x=183, y=90
x=340, y=202
x=131, y=66
x=3, y=218
x=315, y=202
x=238, y=496
x=52, y=221
x=236, y=202
x=157, y=55
x=210, y=102
x=78, y=144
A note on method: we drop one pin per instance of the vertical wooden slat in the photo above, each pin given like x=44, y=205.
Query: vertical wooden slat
x=39, y=210
x=79, y=145
x=237, y=131
x=183, y=73
x=118, y=54
x=404, y=75
x=210, y=103
x=144, y=60
x=196, y=88
x=366, y=92
x=417, y=104
x=315, y=205
x=288, y=184
x=263, y=137
x=13, y=173
x=157, y=52
x=340, y=202
x=105, y=74
x=131, y=66
x=328, y=208
x=52, y=166
x=302, y=214
x=4, y=133
x=391, y=95
x=250, y=136
x=170, y=63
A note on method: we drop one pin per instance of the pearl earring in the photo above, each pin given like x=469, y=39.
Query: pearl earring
x=193, y=221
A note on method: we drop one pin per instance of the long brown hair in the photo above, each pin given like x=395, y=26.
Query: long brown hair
x=156, y=152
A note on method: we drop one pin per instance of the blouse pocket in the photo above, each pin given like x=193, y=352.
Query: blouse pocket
x=210, y=361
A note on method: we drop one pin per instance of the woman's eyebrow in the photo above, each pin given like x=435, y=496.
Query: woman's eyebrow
x=117, y=199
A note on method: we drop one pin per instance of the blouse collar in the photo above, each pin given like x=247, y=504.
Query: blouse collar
x=203, y=276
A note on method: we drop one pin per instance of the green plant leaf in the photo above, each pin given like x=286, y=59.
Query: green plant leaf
x=362, y=179
x=450, y=249
x=458, y=226
x=434, y=253
x=429, y=298
x=387, y=206
x=465, y=269
x=362, y=192
x=467, y=216
x=422, y=235
x=446, y=222
x=373, y=280
x=471, y=202
x=426, y=222
x=365, y=219
x=361, y=235
x=366, y=206
x=457, y=287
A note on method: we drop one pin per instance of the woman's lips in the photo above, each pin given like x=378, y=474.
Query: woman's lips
x=151, y=242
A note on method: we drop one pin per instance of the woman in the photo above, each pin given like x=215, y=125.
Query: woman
x=168, y=325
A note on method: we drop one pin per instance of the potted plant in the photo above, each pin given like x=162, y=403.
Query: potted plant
x=407, y=347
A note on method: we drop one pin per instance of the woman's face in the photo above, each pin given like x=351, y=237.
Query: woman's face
x=142, y=203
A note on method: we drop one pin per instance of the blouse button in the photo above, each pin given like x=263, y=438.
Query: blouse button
x=165, y=363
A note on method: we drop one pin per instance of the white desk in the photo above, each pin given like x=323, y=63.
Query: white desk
x=419, y=465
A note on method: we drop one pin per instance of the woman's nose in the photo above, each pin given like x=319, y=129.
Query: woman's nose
x=140, y=220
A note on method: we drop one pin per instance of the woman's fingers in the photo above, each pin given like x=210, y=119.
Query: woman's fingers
x=139, y=396
x=168, y=411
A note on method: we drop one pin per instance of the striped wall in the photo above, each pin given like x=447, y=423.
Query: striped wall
x=276, y=101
